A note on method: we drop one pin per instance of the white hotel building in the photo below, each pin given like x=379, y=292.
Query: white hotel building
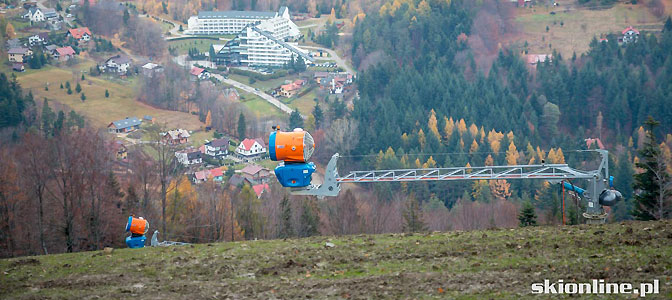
x=233, y=22
x=259, y=47
x=261, y=37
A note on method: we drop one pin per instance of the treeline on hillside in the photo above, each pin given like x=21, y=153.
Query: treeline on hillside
x=427, y=71
x=109, y=18
x=12, y=102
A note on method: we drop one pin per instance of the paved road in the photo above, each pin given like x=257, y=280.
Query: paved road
x=249, y=89
x=334, y=55
x=181, y=60
x=173, y=31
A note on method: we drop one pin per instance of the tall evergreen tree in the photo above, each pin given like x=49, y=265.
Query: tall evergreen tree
x=48, y=117
x=527, y=217
x=286, y=229
x=413, y=217
x=653, y=185
x=309, y=219
x=295, y=120
x=318, y=115
x=242, y=126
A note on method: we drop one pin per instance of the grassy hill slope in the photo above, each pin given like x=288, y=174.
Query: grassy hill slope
x=572, y=26
x=480, y=264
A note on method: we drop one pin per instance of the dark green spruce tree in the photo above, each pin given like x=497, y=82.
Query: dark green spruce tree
x=527, y=216
x=652, y=186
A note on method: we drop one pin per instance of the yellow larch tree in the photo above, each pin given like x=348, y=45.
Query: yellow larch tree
x=481, y=134
x=208, y=119
x=448, y=128
x=421, y=138
x=474, y=147
x=551, y=158
x=473, y=129
x=9, y=31
x=432, y=123
x=489, y=161
x=430, y=163
x=461, y=126
x=559, y=156
x=540, y=154
x=501, y=189
x=512, y=154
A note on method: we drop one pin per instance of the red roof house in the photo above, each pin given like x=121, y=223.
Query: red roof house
x=260, y=188
x=64, y=53
x=80, y=34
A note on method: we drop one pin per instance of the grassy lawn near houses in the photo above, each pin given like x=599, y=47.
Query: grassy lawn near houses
x=100, y=111
x=305, y=103
x=260, y=107
x=263, y=85
x=572, y=30
x=203, y=45
x=198, y=138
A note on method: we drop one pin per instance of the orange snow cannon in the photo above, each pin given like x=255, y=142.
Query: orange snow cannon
x=296, y=146
x=137, y=226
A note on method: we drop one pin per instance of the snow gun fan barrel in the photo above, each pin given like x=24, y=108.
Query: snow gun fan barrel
x=293, y=149
x=138, y=227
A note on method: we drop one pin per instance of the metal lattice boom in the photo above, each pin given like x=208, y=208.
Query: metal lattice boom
x=548, y=172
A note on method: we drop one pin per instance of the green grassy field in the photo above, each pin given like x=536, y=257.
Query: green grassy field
x=306, y=103
x=202, y=45
x=490, y=264
x=263, y=85
x=100, y=111
x=572, y=30
x=260, y=107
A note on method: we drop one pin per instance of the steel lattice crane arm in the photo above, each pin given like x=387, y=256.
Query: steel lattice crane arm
x=295, y=148
x=549, y=172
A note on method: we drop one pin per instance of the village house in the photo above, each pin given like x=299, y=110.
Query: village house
x=124, y=125
x=335, y=83
x=64, y=53
x=148, y=118
x=216, y=148
x=51, y=49
x=81, y=34
x=189, y=157
x=149, y=69
x=291, y=89
x=18, y=67
x=19, y=55
x=120, y=150
x=259, y=189
x=630, y=34
x=176, y=137
x=37, y=39
x=35, y=14
x=217, y=175
x=251, y=148
x=255, y=173
x=117, y=64
x=534, y=59
x=238, y=180
x=199, y=73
